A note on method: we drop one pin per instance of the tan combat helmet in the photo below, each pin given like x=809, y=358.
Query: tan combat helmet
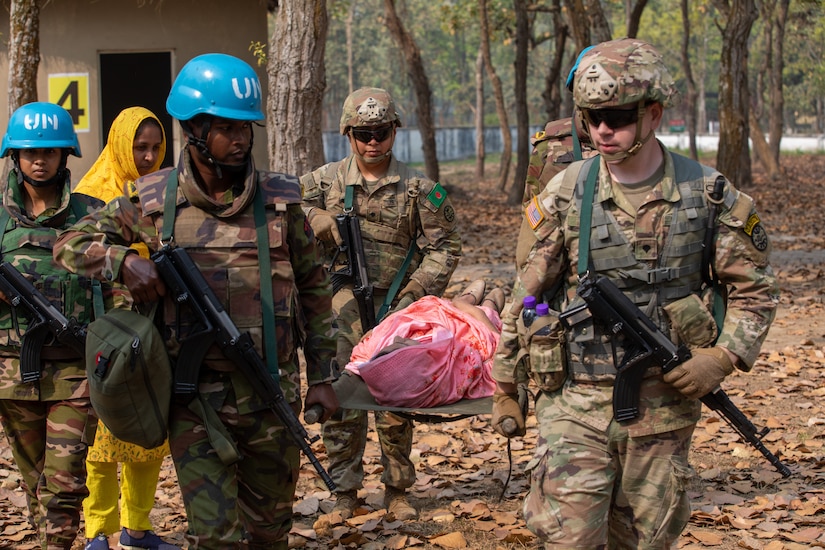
x=623, y=72
x=368, y=107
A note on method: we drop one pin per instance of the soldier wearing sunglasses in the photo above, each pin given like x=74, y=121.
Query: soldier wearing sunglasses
x=411, y=242
x=670, y=234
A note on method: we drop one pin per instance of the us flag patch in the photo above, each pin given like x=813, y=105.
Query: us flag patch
x=533, y=213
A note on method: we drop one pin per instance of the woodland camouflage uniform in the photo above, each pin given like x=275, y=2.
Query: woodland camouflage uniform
x=394, y=213
x=654, y=256
x=50, y=422
x=221, y=239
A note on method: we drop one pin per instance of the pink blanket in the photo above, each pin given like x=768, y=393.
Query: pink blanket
x=451, y=361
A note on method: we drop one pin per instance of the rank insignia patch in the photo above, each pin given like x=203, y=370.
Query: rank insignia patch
x=533, y=213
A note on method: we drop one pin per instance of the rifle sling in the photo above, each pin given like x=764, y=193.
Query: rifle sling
x=187, y=377
x=399, y=277
x=33, y=348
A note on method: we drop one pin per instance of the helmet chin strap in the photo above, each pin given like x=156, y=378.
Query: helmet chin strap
x=370, y=160
x=203, y=149
x=637, y=144
x=56, y=179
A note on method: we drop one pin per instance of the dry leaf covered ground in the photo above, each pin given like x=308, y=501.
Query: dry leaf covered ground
x=738, y=500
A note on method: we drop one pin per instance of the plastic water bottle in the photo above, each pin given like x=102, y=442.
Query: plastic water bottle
x=542, y=309
x=528, y=313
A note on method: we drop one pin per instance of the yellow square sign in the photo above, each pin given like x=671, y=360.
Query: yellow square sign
x=71, y=91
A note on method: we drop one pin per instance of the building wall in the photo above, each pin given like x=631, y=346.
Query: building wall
x=74, y=33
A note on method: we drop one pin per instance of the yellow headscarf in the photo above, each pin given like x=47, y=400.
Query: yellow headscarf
x=114, y=172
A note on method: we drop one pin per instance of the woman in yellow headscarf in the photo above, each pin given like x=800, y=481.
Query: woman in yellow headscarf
x=136, y=147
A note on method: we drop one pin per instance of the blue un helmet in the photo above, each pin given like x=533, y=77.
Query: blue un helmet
x=40, y=125
x=216, y=84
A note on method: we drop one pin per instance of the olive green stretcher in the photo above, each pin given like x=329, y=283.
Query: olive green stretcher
x=353, y=393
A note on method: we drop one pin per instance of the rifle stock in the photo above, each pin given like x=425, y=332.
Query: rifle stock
x=355, y=270
x=45, y=321
x=649, y=346
x=188, y=285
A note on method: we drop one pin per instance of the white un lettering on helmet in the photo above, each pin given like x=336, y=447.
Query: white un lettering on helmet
x=251, y=88
x=40, y=120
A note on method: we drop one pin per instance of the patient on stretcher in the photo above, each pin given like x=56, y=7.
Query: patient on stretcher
x=434, y=352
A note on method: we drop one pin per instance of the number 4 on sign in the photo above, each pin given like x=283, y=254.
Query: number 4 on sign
x=71, y=91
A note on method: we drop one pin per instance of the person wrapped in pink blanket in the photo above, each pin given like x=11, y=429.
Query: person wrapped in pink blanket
x=433, y=352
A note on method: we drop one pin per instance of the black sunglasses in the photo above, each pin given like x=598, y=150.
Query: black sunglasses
x=366, y=136
x=612, y=118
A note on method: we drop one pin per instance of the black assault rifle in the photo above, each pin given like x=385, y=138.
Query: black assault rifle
x=47, y=324
x=649, y=347
x=355, y=270
x=188, y=285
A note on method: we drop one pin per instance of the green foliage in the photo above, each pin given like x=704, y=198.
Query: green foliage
x=259, y=50
x=447, y=33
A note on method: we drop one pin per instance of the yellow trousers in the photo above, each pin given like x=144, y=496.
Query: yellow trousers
x=136, y=489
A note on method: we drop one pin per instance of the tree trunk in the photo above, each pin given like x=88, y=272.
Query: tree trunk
x=421, y=86
x=690, y=108
x=762, y=149
x=501, y=110
x=777, y=94
x=24, y=52
x=599, y=25
x=296, y=75
x=634, y=16
x=479, y=115
x=348, y=31
x=552, y=93
x=733, y=156
x=516, y=191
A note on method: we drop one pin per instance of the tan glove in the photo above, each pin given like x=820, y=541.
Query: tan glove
x=508, y=419
x=324, y=226
x=409, y=294
x=702, y=373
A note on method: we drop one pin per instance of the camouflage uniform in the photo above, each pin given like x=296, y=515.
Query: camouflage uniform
x=596, y=483
x=248, y=501
x=552, y=152
x=392, y=212
x=50, y=422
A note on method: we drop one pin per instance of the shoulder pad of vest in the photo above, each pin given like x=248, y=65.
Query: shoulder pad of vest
x=151, y=190
x=87, y=201
x=279, y=188
x=559, y=128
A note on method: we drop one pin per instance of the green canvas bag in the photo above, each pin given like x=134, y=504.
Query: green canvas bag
x=130, y=376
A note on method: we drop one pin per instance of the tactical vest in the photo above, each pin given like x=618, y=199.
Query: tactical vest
x=387, y=216
x=227, y=255
x=593, y=352
x=29, y=249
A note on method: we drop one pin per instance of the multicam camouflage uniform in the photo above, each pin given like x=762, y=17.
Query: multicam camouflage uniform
x=597, y=483
x=393, y=212
x=221, y=239
x=553, y=151
x=50, y=422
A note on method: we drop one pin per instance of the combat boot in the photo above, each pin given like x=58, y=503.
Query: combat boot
x=345, y=503
x=396, y=503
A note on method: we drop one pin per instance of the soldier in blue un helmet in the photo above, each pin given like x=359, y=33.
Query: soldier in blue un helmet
x=237, y=465
x=44, y=397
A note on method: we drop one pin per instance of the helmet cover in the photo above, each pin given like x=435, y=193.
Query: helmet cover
x=623, y=72
x=368, y=107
